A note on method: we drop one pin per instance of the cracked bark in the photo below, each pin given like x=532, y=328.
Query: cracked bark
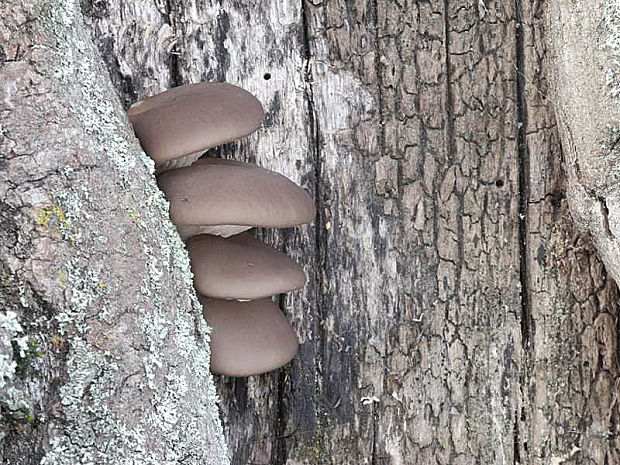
x=448, y=283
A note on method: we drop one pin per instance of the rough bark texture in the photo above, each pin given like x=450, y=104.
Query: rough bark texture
x=453, y=313
x=585, y=66
x=104, y=356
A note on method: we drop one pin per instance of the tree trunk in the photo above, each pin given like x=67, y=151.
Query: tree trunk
x=104, y=354
x=454, y=314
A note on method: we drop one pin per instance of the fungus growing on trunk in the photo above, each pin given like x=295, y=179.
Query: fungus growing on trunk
x=248, y=338
x=241, y=268
x=221, y=197
x=178, y=125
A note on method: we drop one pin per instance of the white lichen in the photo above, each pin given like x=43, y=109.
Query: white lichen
x=10, y=322
x=10, y=328
x=13, y=401
x=22, y=345
x=7, y=369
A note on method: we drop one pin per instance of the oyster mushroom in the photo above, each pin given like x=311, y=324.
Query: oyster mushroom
x=241, y=267
x=248, y=338
x=178, y=125
x=221, y=197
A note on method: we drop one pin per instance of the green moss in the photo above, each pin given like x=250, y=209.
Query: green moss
x=133, y=214
x=315, y=450
x=5, y=279
x=25, y=355
x=62, y=278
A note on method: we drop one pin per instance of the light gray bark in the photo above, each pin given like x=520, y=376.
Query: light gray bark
x=92, y=270
x=584, y=43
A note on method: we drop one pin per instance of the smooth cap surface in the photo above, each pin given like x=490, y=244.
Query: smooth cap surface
x=248, y=338
x=241, y=267
x=220, y=192
x=194, y=118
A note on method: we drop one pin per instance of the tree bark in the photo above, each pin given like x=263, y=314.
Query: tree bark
x=456, y=311
x=585, y=51
x=104, y=349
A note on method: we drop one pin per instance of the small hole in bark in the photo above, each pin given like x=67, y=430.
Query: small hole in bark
x=499, y=183
x=267, y=76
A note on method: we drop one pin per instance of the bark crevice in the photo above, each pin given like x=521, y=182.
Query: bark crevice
x=523, y=228
x=314, y=136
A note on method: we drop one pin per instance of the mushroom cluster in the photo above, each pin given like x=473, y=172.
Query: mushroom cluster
x=213, y=202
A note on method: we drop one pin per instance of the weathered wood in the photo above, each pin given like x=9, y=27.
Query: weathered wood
x=584, y=52
x=453, y=313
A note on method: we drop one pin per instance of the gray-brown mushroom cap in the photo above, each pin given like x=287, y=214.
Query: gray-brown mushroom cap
x=215, y=192
x=191, y=119
x=241, y=267
x=248, y=338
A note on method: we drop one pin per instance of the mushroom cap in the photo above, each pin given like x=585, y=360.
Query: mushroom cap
x=219, y=192
x=241, y=267
x=248, y=338
x=194, y=118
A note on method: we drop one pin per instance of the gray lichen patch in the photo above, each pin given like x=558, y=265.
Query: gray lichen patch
x=9, y=330
x=14, y=353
